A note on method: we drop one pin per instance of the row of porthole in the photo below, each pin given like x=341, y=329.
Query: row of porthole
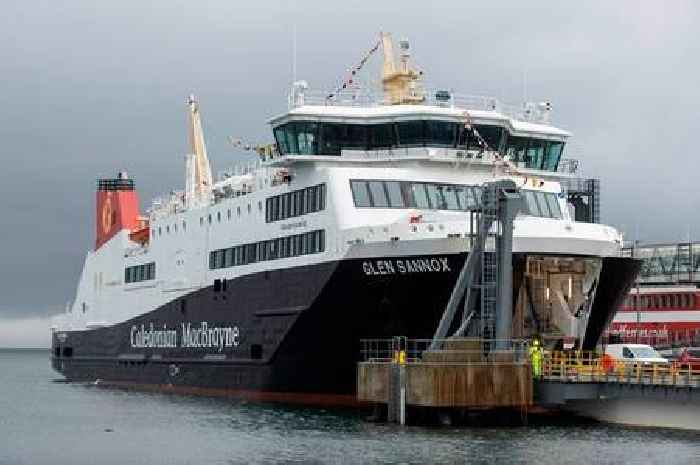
x=201, y=220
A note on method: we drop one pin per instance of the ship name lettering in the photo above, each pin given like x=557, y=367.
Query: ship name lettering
x=398, y=266
x=203, y=336
x=209, y=337
x=152, y=337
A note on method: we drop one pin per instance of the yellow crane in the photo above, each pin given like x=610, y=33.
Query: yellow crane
x=402, y=83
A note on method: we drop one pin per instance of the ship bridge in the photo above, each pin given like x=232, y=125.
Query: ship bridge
x=473, y=129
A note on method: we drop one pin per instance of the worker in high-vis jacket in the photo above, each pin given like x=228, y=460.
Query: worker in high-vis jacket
x=536, y=355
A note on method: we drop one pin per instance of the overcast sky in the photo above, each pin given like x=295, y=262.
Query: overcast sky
x=90, y=88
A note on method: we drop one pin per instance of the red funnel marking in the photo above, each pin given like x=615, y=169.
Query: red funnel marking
x=117, y=208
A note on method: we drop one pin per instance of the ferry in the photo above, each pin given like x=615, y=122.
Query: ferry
x=354, y=223
x=661, y=316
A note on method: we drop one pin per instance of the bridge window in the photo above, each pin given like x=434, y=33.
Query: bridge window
x=441, y=133
x=552, y=155
x=320, y=138
x=492, y=136
x=532, y=153
x=535, y=154
x=411, y=133
x=381, y=136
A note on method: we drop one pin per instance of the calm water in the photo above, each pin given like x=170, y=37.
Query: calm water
x=44, y=422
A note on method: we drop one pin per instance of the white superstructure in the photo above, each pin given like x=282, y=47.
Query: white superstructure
x=349, y=178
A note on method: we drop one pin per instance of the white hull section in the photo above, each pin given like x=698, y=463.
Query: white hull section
x=637, y=412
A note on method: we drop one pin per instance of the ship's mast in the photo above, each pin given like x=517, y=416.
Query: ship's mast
x=402, y=85
x=199, y=180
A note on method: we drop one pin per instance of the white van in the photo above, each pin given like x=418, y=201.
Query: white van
x=642, y=353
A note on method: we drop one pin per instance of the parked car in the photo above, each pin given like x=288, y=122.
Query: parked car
x=690, y=357
x=637, y=353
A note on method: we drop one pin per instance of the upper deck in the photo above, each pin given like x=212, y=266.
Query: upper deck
x=467, y=127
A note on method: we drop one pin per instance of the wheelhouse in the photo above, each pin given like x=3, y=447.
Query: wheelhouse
x=306, y=133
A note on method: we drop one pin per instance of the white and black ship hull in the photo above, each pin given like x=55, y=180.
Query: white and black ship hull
x=288, y=334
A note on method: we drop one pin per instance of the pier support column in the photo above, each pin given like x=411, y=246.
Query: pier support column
x=396, y=404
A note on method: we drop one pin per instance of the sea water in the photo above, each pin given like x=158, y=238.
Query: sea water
x=43, y=421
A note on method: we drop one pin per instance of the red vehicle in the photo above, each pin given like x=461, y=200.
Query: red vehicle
x=690, y=356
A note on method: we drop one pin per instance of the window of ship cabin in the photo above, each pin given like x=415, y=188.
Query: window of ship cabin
x=451, y=197
x=533, y=153
x=531, y=202
x=395, y=196
x=420, y=196
x=360, y=193
x=553, y=203
x=435, y=196
x=379, y=197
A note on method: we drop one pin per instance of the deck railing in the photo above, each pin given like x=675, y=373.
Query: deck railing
x=579, y=366
x=454, y=351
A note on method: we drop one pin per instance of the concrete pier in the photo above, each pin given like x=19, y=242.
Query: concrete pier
x=456, y=376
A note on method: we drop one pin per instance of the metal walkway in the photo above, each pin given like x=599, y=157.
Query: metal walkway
x=587, y=376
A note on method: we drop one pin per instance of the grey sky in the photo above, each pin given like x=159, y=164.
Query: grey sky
x=90, y=88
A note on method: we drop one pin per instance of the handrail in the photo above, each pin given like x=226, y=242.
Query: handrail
x=363, y=97
x=578, y=366
x=412, y=350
